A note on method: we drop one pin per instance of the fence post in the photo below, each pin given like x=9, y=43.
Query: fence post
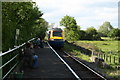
x=119, y=60
x=101, y=55
x=114, y=59
x=110, y=58
x=97, y=54
x=106, y=57
x=92, y=53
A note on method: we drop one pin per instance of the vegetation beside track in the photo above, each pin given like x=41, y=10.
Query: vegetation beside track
x=76, y=52
x=103, y=46
x=109, y=48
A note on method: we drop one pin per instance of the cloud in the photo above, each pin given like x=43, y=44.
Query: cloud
x=108, y=14
x=86, y=12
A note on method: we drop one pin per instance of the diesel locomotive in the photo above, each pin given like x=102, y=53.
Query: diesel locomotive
x=56, y=37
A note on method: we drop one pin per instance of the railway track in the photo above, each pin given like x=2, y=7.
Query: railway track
x=78, y=69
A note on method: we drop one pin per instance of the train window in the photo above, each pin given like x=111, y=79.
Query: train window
x=59, y=34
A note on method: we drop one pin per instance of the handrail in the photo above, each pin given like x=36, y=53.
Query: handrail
x=10, y=70
x=15, y=48
x=8, y=61
x=1, y=54
x=31, y=39
x=11, y=50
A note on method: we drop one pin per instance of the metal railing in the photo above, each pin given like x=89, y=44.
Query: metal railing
x=9, y=60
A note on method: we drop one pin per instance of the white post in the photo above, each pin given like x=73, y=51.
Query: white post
x=92, y=52
x=16, y=36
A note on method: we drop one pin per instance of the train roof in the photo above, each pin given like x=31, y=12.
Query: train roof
x=56, y=29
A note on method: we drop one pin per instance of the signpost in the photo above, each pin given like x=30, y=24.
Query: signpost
x=16, y=36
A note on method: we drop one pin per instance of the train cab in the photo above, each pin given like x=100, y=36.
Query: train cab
x=56, y=37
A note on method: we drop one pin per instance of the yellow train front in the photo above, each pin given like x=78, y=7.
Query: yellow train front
x=56, y=37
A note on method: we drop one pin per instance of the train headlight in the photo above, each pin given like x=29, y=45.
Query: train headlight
x=52, y=39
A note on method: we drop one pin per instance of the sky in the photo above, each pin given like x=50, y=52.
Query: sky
x=87, y=13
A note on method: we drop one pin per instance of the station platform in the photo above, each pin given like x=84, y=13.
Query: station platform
x=50, y=67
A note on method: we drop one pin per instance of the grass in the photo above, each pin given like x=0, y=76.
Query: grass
x=106, y=47
x=107, y=38
x=76, y=52
x=113, y=73
x=109, y=48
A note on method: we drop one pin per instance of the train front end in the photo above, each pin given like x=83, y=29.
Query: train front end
x=56, y=38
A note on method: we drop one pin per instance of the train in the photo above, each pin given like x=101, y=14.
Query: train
x=56, y=37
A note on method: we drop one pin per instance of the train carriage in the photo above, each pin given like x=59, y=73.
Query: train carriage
x=56, y=37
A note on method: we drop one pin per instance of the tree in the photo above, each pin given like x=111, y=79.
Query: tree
x=114, y=33
x=82, y=35
x=78, y=27
x=22, y=16
x=72, y=29
x=41, y=28
x=68, y=22
x=91, y=31
x=91, y=34
x=71, y=35
x=105, y=28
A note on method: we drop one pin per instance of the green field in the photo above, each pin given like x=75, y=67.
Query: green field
x=109, y=48
x=104, y=46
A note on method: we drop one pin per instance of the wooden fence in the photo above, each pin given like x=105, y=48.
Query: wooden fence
x=109, y=58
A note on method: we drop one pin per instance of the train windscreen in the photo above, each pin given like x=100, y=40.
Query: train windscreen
x=59, y=34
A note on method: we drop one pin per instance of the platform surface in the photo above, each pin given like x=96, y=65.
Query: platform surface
x=50, y=66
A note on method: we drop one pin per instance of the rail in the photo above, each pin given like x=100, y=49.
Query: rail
x=9, y=60
x=72, y=71
x=89, y=68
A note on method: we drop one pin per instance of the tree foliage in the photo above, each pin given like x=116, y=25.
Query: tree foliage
x=71, y=28
x=40, y=28
x=71, y=35
x=73, y=32
x=91, y=31
x=82, y=35
x=68, y=22
x=91, y=34
x=114, y=33
x=22, y=16
x=105, y=28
